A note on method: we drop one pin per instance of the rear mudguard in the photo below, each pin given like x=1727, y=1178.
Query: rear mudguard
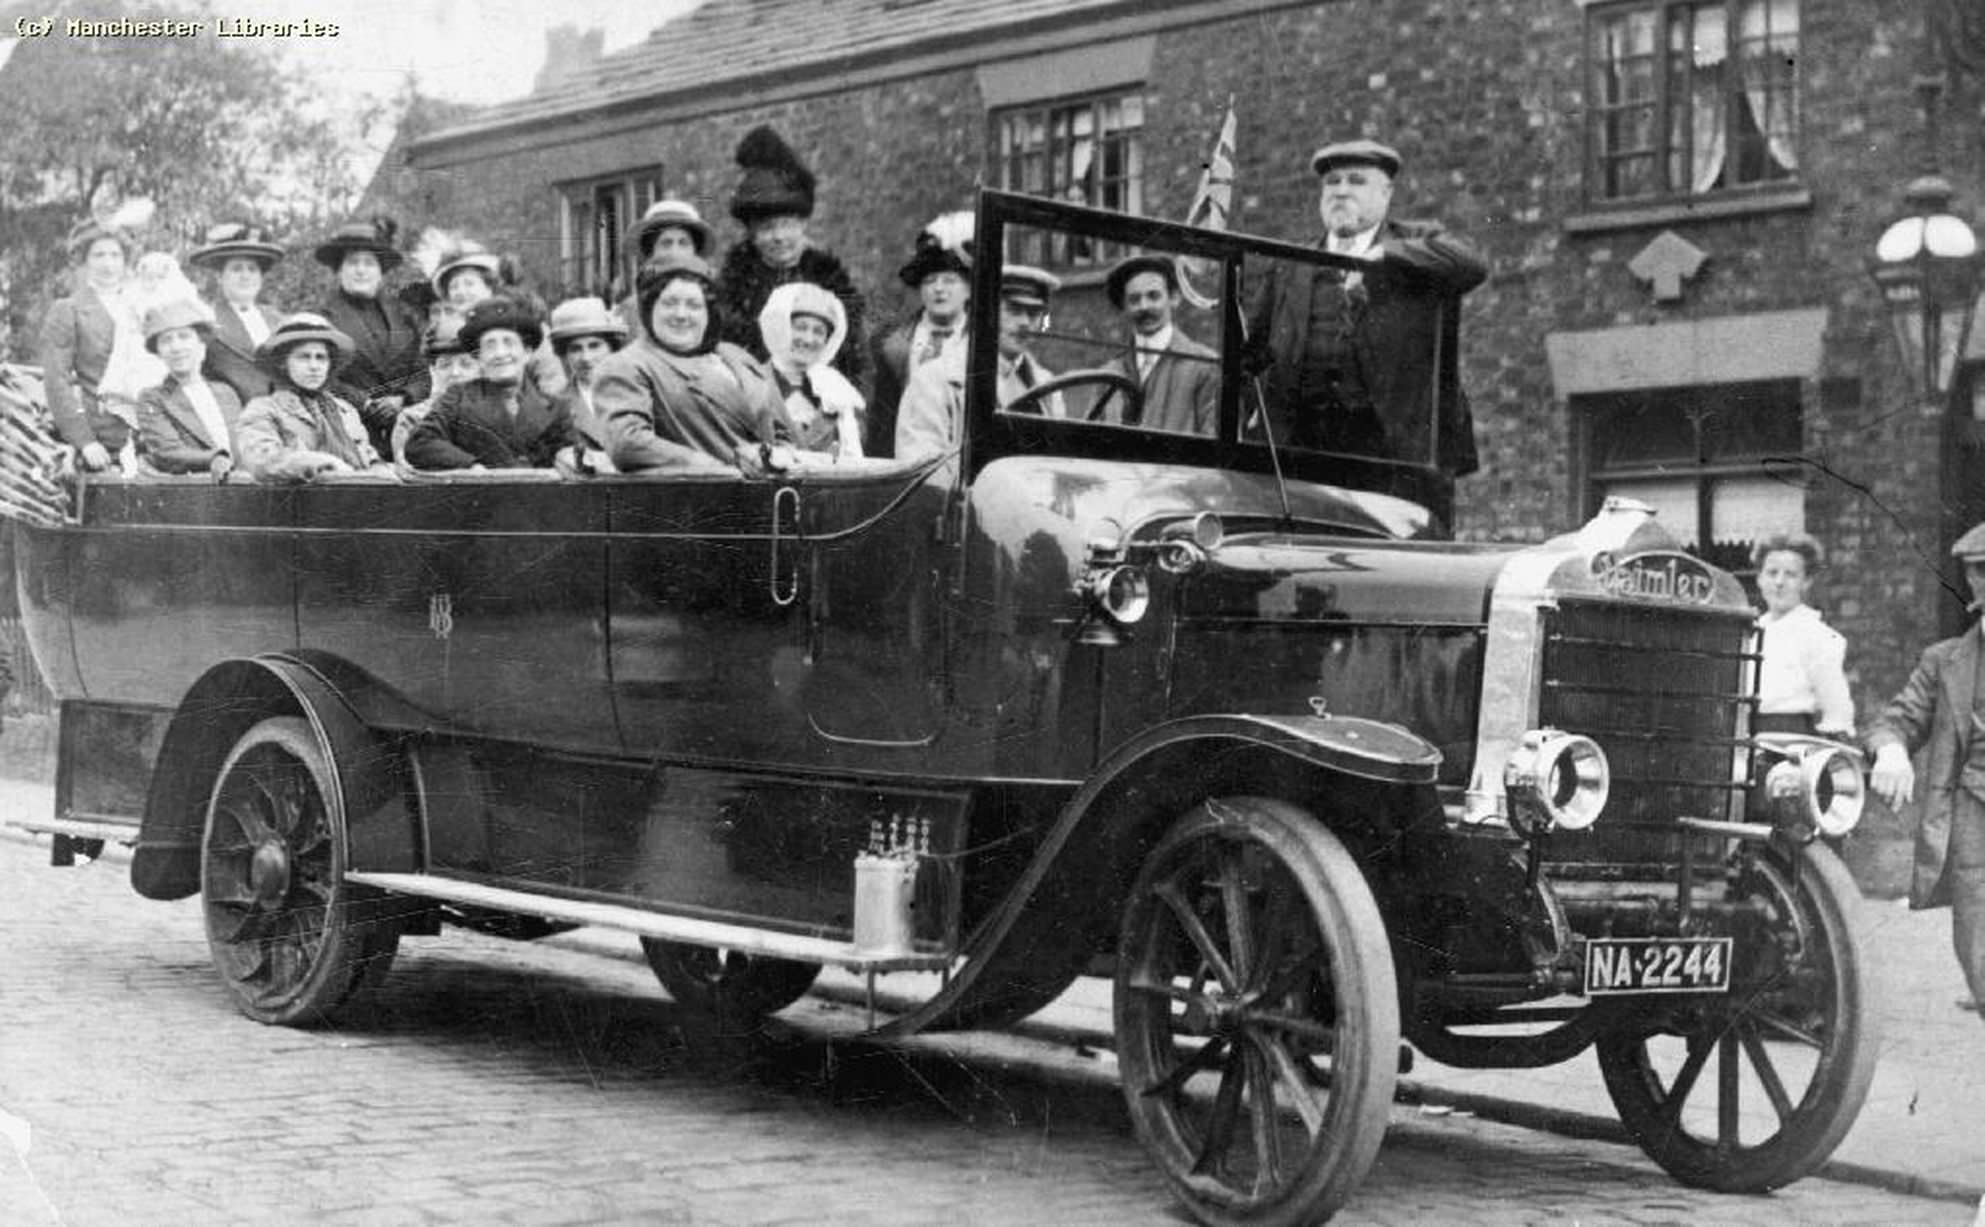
x=1369, y=781
x=232, y=697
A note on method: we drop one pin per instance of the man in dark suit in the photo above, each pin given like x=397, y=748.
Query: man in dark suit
x=1361, y=358
x=240, y=257
x=940, y=272
x=1180, y=378
x=1939, y=709
x=501, y=420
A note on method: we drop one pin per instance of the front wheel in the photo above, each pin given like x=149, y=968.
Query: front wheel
x=1751, y=1091
x=1257, y=1016
x=291, y=938
x=727, y=985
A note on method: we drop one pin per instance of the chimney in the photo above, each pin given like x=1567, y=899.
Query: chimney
x=570, y=54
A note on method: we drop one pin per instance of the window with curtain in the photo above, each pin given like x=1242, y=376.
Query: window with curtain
x=1085, y=151
x=595, y=215
x=1718, y=462
x=1688, y=97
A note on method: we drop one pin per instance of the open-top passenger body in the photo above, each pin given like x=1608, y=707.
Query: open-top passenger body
x=1229, y=713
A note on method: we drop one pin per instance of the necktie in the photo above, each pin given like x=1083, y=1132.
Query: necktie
x=1146, y=359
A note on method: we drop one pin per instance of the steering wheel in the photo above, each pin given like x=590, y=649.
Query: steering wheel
x=1114, y=383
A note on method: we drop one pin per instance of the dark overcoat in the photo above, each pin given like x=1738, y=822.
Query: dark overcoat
x=469, y=425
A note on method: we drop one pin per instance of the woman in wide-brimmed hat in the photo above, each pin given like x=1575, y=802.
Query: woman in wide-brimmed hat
x=301, y=429
x=384, y=371
x=679, y=398
x=77, y=338
x=669, y=228
x=499, y=420
x=239, y=256
x=186, y=423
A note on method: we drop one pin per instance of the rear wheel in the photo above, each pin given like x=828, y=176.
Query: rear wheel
x=292, y=939
x=1256, y=1014
x=728, y=984
x=1753, y=1090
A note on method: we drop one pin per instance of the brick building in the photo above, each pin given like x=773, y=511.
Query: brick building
x=1678, y=200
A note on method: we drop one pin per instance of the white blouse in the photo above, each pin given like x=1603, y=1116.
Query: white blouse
x=1803, y=670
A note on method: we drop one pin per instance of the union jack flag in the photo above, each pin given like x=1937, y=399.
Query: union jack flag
x=1210, y=205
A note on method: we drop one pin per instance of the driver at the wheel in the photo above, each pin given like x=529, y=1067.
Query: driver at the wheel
x=927, y=423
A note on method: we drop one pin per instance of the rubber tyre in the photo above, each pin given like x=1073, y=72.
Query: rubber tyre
x=727, y=984
x=291, y=939
x=1798, y=1007
x=1252, y=931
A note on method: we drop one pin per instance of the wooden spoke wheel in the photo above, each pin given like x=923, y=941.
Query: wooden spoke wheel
x=291, y=939
x=728, y=984
x=1750, y=1091
x=1257, y=1016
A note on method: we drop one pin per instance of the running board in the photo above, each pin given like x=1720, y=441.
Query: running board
x=695, y=932
x=109, y=830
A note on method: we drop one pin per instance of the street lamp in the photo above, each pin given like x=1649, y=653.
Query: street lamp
x=1926, y=266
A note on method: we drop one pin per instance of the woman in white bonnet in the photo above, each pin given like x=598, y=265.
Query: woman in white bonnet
x=804, y=326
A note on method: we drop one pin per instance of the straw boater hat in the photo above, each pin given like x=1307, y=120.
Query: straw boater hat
x=501, y=311
x=180, y=313
x=1026, y=285
x=659, y=217
x=1120, y=276
x=294, y=330
x=1360, y=152
x=775, y=181
x=230, y=240
x=487, y=262
x=585, y=317
x=375, y=236
x=944, y=246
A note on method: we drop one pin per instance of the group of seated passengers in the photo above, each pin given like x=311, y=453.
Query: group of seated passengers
x=674, y=398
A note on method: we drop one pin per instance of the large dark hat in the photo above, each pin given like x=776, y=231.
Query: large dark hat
x=180, y=313
x=659, y=217
x=1360, y=152
x=227, y=240
x=294, y=330
x=443, y=337
x=944, y=246
x=1164, y=266
x=1026, y=285
x=375, y=236
x=502, y=311
x=775, y=180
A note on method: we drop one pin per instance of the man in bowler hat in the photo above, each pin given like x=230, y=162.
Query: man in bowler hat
x=1940, y=709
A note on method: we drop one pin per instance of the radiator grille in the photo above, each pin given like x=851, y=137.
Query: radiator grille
x=1667, y=693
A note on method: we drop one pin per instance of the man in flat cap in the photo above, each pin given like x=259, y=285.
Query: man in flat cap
x=1180, y=378
x=1939, y=708
x=1363, y=359
x=933, y=407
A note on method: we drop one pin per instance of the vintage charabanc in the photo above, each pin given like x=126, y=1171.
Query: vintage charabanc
x=1222, y=715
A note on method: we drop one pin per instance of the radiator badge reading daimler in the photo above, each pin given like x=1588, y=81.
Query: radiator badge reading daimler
x=1659, y=575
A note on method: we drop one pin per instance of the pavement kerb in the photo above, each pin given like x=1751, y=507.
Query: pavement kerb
x=1412, y=1091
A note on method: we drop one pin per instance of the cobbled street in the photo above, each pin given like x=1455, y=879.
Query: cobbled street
x=504, y=1084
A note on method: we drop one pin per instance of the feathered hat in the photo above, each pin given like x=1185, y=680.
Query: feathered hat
x=775, y=180
x=944, y=246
